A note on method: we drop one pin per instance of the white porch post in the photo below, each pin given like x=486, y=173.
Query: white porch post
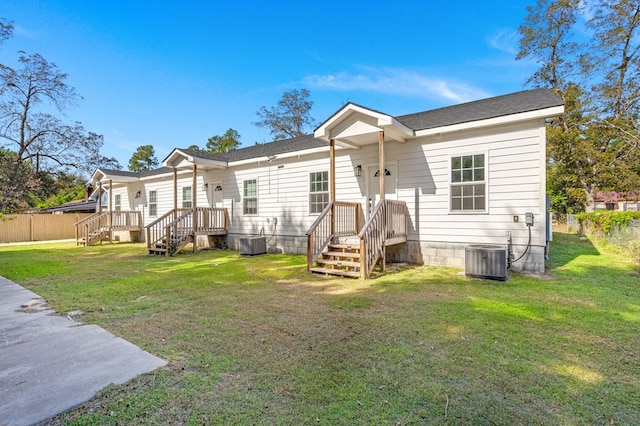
x=332, y=183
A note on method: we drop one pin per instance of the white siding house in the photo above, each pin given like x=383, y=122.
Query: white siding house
x=467, y=174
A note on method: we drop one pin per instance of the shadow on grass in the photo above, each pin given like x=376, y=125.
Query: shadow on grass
x=567, y=247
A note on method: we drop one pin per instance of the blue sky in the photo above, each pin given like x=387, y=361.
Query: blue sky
x=174, y=73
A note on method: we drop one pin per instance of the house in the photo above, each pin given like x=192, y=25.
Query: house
x=623, y=201
x=417, y=188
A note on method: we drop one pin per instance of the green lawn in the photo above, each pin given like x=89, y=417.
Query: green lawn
x=258, y=341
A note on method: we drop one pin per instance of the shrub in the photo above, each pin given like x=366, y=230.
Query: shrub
x=605, y=221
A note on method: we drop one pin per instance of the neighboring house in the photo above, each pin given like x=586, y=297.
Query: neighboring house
x=611, y=200
x=453, y=177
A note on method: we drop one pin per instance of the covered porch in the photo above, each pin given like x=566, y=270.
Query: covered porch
x=341, y=242
x=109, y=219
x=185, y=225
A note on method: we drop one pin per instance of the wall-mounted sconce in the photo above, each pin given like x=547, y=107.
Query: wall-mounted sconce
x=205, y=186
x=357, y=171
x=386, y=173
x=218, y=188
x=138, y=194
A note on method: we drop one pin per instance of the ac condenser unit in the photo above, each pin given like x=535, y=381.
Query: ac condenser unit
x=250, y=246
x=486, y=261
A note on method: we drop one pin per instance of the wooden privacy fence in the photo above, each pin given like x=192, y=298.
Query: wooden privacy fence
x=38, y=227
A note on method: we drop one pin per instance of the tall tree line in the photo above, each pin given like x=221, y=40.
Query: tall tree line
x=36, y=145
x=595, y=146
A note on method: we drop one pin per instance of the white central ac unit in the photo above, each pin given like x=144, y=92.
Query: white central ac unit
x=250, y=246
x=486, y=261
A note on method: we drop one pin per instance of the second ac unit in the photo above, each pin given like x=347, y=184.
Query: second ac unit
x=250, y=246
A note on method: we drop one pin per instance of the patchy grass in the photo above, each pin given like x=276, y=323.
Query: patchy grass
x=258, y=341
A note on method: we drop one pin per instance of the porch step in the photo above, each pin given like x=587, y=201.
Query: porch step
x=339, y=263
x=348, y=254
x=338, y=272
x=344, y=246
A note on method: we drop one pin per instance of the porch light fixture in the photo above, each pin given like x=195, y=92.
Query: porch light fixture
x=205, y=186
x=138, y=194
x=357, y=171
x=218, y=188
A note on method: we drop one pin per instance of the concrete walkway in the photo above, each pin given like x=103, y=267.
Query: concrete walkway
x=50, y=363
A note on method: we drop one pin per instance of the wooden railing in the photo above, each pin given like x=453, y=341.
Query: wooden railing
x=387, y=225
x=156, y=230
x=174, y=226
x=348, y=219
x=126, y=219
x=94, y=227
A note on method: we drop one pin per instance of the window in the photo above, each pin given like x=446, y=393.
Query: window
x=186, y=197
x=468, y=183
x=153, y=203
x=250, y=197
x=318, y=191
x=117, y=203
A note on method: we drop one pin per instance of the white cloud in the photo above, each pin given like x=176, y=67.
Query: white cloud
x=397, y=81
x=505, y=40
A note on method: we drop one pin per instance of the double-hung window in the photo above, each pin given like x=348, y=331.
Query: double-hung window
x=468, y=183
x=153, y=203
x=186, y=197
x=250, y=196
x=318, y=191
x=117, y=202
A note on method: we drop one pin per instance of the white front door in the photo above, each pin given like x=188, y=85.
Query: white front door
x=373, y=185
x=216, y=191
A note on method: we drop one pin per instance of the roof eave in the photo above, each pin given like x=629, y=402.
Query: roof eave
x=494, y=121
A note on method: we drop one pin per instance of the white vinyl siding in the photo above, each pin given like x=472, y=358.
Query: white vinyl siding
x=187, y=197
x=468, y=183
x=153, y=203
x=250, y=197
x=318, y=191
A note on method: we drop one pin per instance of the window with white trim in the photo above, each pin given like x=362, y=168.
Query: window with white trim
x=186, y=197
x=250, y=196
x=117, y=202
x=468, y=183
x=153, y=203
x=318, y=191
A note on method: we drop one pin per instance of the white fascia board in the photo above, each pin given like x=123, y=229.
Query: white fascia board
x=100, y=176
x=192, y=159
x=505, y=119
x=324, y=132
x=291, y=154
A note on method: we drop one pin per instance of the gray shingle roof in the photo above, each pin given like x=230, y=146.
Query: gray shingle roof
x=262, y=150
x=514, y=103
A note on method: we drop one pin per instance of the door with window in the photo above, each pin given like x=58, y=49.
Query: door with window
x=215, y=194
x=373, y=185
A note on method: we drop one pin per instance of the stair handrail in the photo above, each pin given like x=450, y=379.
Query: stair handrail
x=319, y=235
x=372, y=238
x=86, y=226
x=388, y=222
x=156, y=230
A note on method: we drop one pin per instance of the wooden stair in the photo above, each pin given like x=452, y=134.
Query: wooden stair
x=339, y=259
x=178, y=241
x=98, y=234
